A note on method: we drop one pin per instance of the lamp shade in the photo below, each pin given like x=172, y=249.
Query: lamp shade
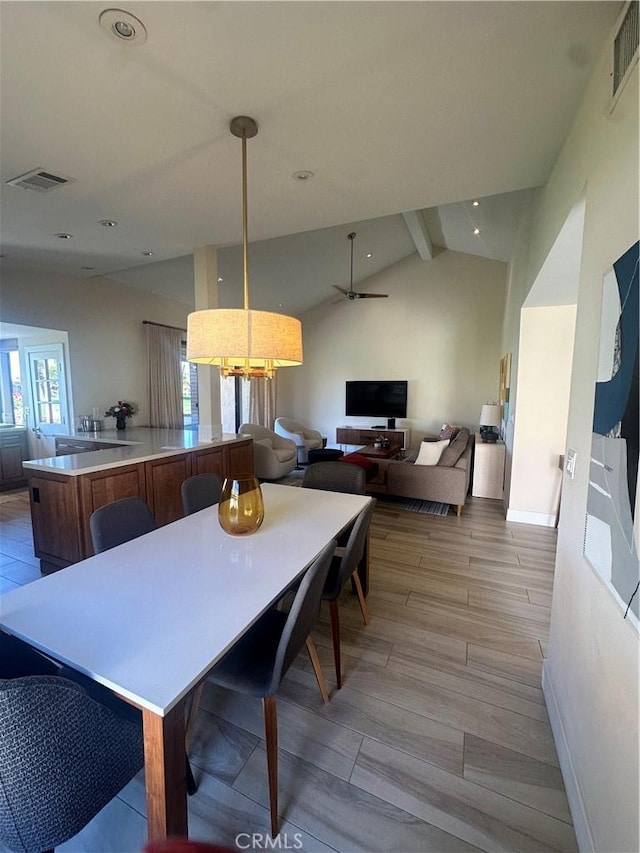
x=243, y=341
x=490, y=415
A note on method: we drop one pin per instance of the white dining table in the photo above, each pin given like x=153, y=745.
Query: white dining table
x=150, y=618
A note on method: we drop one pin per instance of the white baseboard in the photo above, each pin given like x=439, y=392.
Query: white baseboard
x=539, y=518
x=569, y=776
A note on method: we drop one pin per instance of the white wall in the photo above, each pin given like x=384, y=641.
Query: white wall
x=591, y=674
x=107, y=341
x=543, y=380
x=440, y=329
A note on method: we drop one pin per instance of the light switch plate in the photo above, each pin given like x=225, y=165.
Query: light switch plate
x=570, y=466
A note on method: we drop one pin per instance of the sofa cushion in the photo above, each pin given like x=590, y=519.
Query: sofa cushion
x=455, y=449
x=431, y=451
x=265, y=441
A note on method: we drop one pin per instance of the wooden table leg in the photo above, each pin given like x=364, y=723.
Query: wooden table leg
x=165, y=773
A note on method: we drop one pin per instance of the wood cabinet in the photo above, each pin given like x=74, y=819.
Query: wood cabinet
x=55, y=511
x=164, y=477
x=13, y=451
x=102, y=487
x=367, y=435
x=239, y=458
x=61, y=504
x=488, y=469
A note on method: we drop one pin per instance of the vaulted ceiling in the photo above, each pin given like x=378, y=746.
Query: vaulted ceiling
x=395, y=107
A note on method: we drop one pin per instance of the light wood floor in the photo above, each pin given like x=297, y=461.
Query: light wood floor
x=439, y=739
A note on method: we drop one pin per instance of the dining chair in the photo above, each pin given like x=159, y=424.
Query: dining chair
x=342, y=568
x=257, y=663
x=334, y=476
x=113, y=524
x=120, y=521
x=200, y=491
x=63, y=756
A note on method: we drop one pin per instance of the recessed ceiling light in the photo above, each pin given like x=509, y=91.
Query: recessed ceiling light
x=369, y=255
x=147, y=254
x=475, y=203
x=476, y=230
x=303, y=175
x=64, y=236
x=220, y=279
x=123, y=25
x=108, y=223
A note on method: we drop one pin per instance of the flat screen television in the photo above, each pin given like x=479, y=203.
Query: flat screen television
x=377, y=399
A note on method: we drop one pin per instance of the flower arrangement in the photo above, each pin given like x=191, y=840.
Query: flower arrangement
x=120, y=410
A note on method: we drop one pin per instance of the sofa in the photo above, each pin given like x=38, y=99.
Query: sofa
x=273, y=456
x=445, y=482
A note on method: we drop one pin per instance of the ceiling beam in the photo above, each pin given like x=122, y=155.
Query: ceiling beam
x=416, y=226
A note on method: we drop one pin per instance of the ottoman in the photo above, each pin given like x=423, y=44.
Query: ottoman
x=325, y=454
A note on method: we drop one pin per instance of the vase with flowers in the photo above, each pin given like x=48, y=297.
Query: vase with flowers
x=120, y=411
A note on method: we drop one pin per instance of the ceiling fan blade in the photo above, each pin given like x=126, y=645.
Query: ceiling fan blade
x=341, y=289
x=372, y=295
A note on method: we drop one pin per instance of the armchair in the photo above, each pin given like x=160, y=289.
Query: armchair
x=273, y=456
x=305, y=439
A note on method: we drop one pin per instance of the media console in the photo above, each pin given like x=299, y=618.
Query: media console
x=367, y=435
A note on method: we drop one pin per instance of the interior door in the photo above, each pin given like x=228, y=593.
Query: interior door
x=49, y=408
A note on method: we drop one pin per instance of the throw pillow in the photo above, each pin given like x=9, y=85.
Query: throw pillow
x=358, y=459
x=430, y=452
x=449, y=431
x=455, y=449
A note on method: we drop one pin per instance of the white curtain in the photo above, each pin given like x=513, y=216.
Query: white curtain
x=165, y=378
x=262, y=401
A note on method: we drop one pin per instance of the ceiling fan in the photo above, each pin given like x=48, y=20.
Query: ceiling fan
x=351, y=293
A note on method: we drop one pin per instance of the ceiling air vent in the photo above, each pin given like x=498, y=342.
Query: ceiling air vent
x=625, y=47
x=40, y=181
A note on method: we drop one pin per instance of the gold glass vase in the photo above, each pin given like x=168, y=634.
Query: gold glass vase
x=241, y=508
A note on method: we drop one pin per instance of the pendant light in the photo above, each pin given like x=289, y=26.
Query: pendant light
x=240, y=341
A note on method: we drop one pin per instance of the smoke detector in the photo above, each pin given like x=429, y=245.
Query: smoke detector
x=123, y=25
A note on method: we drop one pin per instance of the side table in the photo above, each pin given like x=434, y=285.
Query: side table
x=488, y=469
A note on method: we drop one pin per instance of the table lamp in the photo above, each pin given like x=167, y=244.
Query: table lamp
x=490, y=420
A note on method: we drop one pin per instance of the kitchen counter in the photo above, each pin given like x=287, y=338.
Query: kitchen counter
x=138, y=444
x=148, y=463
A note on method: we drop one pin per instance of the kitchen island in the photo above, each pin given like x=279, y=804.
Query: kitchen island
x=147, y=463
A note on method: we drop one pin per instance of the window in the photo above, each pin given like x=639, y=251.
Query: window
x=189, y=376
x=11, y=397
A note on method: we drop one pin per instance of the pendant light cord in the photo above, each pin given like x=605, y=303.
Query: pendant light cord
x=245, y=228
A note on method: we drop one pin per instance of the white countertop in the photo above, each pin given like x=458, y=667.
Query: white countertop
x=149, y=618
x=138, y=444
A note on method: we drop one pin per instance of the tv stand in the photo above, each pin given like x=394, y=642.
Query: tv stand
x=367, y=435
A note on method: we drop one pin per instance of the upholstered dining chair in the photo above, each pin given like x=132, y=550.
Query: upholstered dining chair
x=335, y=477
x=345, y=567
x=114, y=524
x=200, y=491
x=63, y=754
x=305, y=439
x=120, y=521
x=256, y=664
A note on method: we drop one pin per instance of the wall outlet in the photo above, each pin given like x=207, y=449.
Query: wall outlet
x=570, y=466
